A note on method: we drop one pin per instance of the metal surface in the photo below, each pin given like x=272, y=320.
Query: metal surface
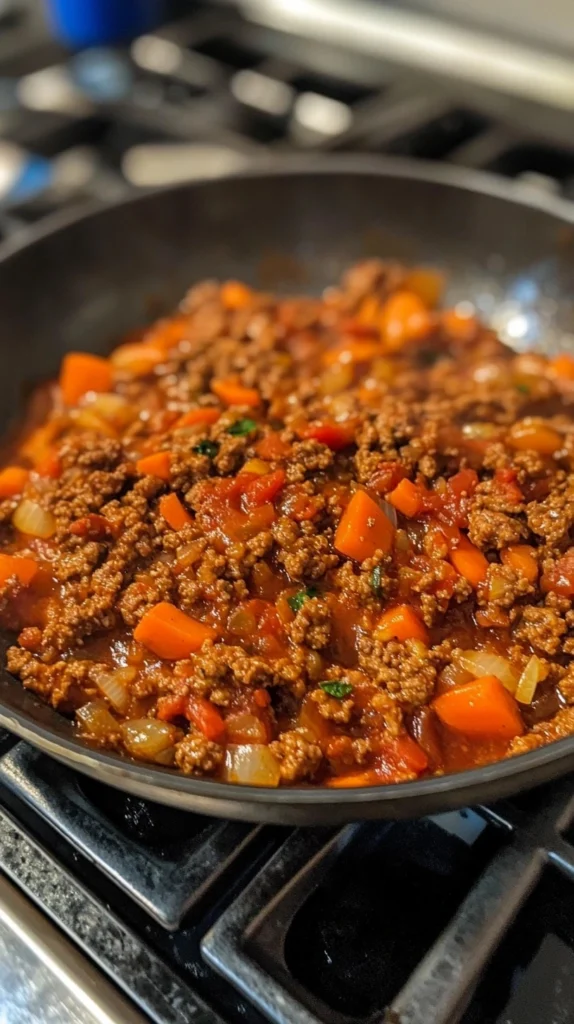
x=247, y=943
x=45, y=980
x=156, y=990
x=166, y=887
x=514, y=258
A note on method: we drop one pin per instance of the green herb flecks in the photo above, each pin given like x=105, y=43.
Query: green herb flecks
x=297, y=600
x=338, y=689
x=376, y=580
x=523, y=388
x=242, y=427
x=209, y=448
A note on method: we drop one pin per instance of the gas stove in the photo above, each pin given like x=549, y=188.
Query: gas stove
x=117, y=910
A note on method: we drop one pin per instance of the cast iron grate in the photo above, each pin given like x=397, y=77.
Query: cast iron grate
x=167, y=861
x=399, y=922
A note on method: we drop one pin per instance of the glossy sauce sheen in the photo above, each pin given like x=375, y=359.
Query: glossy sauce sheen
x=300, y=541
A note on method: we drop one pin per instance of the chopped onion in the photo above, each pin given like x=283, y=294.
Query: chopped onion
x=114, y=686
x=87, y=419
x=336, y=379
x=487, y=663
x=454, y=674
x=113, y=408
x=147, y=738
x=245, y=728
x=96, y=721
x=32, y=519
x=534, y=672
x=251, y=764
x=389, y=510
x=479, y=431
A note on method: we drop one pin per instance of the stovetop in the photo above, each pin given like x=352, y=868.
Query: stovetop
x=116, y=910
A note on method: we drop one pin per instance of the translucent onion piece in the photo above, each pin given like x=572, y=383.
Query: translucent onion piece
x=454, y=674
x=146, y=738
x=245, y=728
x=479, y=431
x=87, y=419
x=389, y=510
x=533, y=673
x=251, y=764
x=113, y=408
x=32, y=519
x=336, y=379
x=114, y=687
x=486, y=663
x=96, y=721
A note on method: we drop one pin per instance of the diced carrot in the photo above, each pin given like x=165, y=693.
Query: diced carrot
x=82, y=372
x=352, y=352
x=20, y=568
x=261, y=698
x=261, y=489
x=469, y=561
x=521, y=557
x=49, y=465
x=272, y=447
x=174, y=512
x=408, y=753
x=401, y=623
x=353, y=780
x=563, y=366
x=481, y=708
x=407, y=498
x=459, y=327
x=535, y=435
x=206, y=718
x=235, y=295
x=363, y=529
x=369, y=311
x=206, y=416
x=232, y=392
x=405, y=318
x=171, y=634
x=334, y=435
x=137, y=358
x=12, y=481
x=157, y=464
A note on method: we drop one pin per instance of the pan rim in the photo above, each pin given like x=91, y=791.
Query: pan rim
x=353, y=800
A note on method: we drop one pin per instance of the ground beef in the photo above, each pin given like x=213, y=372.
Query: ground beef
x=198, y=531
x=542, y=628
x=557, y=728
x=299, y=758
x=195, y=754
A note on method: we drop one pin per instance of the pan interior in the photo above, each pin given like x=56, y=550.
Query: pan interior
x=85, y=284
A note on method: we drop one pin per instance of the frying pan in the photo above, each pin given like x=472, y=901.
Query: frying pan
x=85, y=279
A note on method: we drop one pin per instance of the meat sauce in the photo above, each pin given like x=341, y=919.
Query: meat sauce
x=299, y=541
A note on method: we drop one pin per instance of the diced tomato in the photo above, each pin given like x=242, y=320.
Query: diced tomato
x=455, y=503
x=505, y=481
x=334, y=435
x=386, y=477
x=272, y=447
x=92, y=526
x=561, y=577
x=171, y=706
x=258, y=490
x=299, y=505
x=205, y=716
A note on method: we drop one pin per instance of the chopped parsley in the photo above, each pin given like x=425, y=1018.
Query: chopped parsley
x=376, y=579
x=242, y=427
x=338, y=689
x=297, y=600
x=523, y=388
x=209, y=448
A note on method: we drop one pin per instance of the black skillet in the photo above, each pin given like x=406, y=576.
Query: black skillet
x=84, y=280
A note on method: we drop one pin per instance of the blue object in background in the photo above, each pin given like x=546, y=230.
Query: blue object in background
x=80, y=23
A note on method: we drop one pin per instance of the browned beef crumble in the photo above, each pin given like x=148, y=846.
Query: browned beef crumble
x=219, y=466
